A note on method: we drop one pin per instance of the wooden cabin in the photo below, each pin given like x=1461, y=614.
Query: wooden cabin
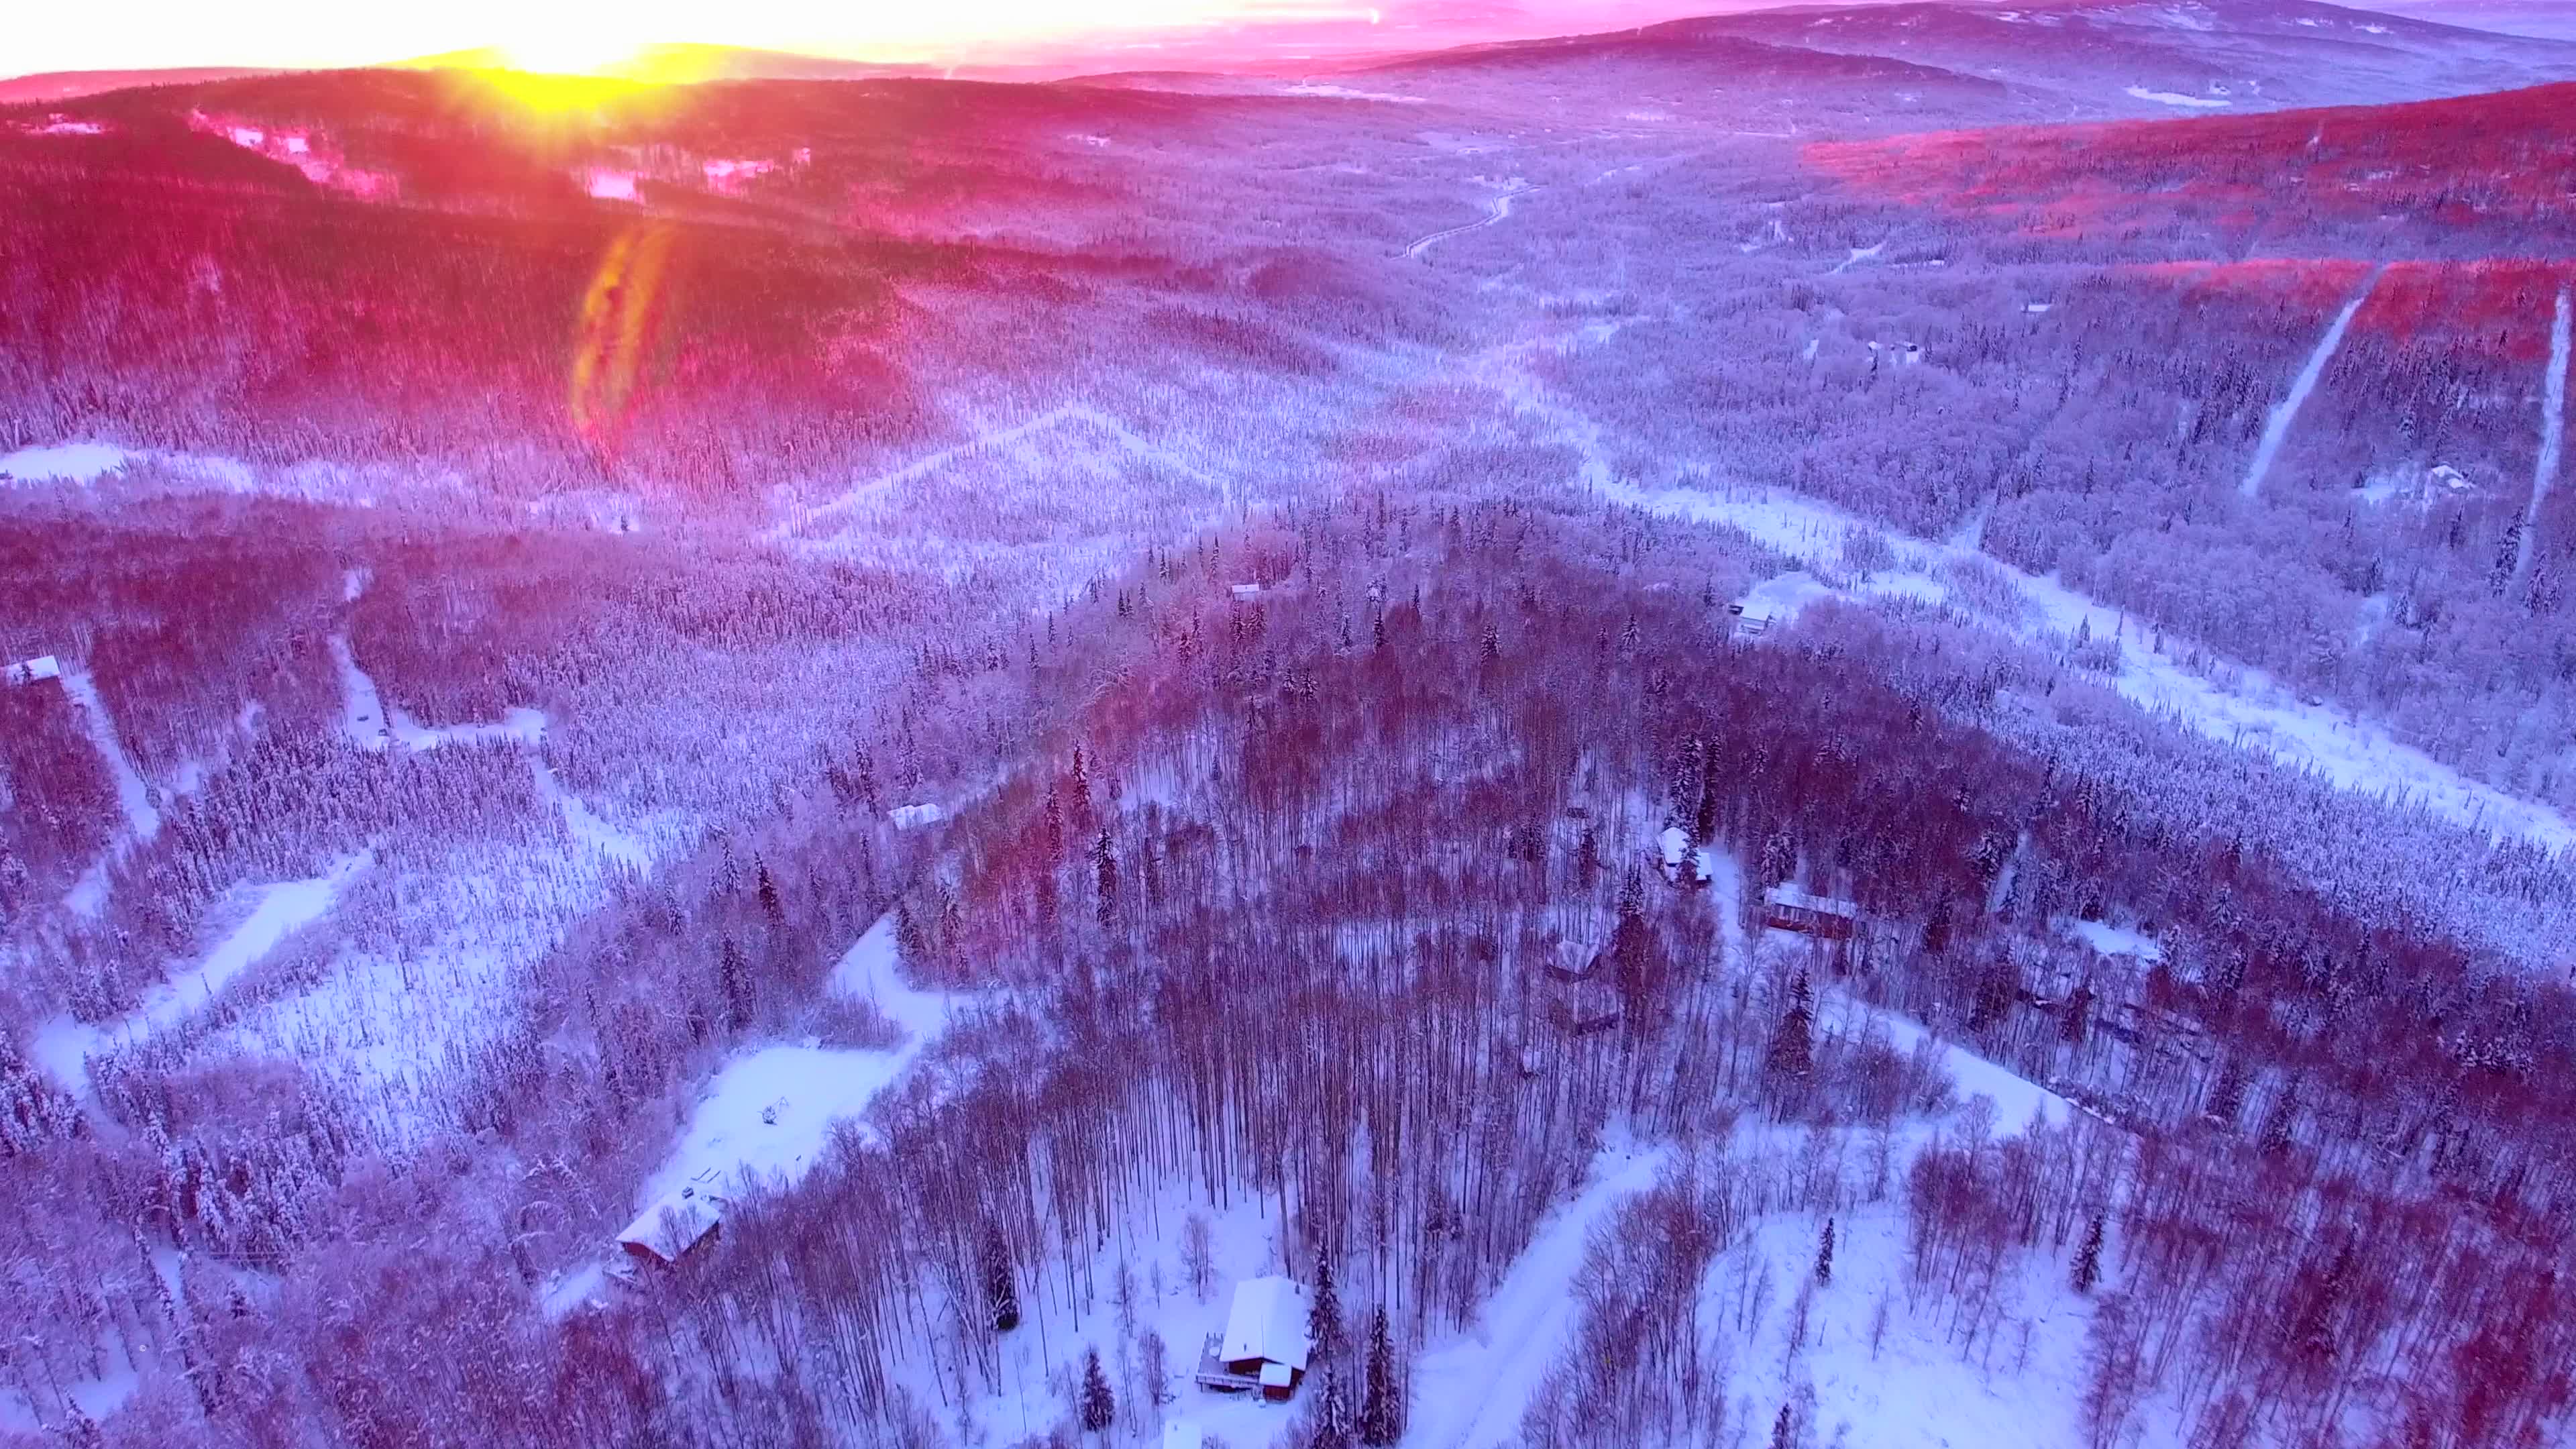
x=33, y=671
x=674, y=1226
x=1263, y=1347
x=1787, y=908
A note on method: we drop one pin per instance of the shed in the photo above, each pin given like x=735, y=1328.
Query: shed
x=1264, y=1343
x=1573, y=961
x=28, y=671
x=673, y=1226
x=1787, y=908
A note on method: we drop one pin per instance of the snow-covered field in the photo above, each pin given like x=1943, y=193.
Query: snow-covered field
x=768, y=1115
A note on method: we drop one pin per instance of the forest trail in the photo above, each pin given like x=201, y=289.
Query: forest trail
x=371, y=725
x=285, y=907
x=2553, y=436
x=857, y=495
x=133, y=796
x=2276, y=428
x=1495, y=210
x=1473, y=1389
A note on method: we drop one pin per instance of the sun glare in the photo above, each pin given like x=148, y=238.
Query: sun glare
x=568, y=51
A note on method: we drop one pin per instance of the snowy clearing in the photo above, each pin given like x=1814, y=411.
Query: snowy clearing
x=1345, y=93
x=770, y=1113
x=64, y=1045
x=2255, y=712
x=1470, y=1391
x=2113, y=940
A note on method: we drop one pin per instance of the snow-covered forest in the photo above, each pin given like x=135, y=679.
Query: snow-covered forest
x=1814, y=734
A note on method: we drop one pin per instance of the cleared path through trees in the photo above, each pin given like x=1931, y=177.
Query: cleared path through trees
x=2276, y=429
x=2553, y=436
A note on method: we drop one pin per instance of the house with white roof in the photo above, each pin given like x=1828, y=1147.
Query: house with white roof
x=1264, y=1344
x=673, y=1226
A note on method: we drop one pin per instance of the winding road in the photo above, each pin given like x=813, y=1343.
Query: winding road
x=1495, y=210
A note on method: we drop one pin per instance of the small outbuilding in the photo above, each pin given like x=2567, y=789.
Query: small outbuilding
x=29, y=671
x=1264, y=1344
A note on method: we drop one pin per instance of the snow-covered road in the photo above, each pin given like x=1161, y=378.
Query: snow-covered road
x=63, y=1046
x=2255, y=712
x=132, y=795
x=1471, y=1391
x=1495, y=210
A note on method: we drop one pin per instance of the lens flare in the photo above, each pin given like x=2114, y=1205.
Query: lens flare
x=621, y=316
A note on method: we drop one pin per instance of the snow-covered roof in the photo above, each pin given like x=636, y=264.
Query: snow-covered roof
x=1796, y=899
x=905, y=817
x=1268, y=1322
x=43, y=666
x=675, y=1223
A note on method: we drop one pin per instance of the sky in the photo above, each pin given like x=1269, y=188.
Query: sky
x=152, y=34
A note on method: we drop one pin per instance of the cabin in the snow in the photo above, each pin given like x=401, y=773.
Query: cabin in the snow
x=1264, y=1344
x=673, y=1226
x=1828, y=918
x=32, y=671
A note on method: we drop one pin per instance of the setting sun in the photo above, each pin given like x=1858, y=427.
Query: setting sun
x=568, y=50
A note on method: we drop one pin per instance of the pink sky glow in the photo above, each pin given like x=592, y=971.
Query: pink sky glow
x=152, y=34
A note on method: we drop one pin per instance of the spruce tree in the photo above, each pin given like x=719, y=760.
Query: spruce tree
x=1381, y=1407
x=733, y=973
x=1792, y=1042
x=1001, y=1291
x=2088, y=1258
x=1099, y=1406
x=1324, y=1315
x=1784, y=1430
x=1825, y=1257
x=1332, y=1413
